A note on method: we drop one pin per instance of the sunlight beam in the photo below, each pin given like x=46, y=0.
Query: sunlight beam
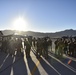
x=20, y=24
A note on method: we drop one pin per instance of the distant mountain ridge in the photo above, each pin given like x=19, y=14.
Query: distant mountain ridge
x=69, y=32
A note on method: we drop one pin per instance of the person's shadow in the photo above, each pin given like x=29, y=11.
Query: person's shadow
x=6, y=66
x=19, y=68
x=3, y=57
x=49, y=70
x=32, y=66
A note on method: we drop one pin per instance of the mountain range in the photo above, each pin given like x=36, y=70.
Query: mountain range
x=68, y=32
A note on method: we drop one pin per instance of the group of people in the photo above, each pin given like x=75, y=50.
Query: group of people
x=16, y=45
x=41, y=45
x=65, y=46
x=10, y=45
x=62, y=46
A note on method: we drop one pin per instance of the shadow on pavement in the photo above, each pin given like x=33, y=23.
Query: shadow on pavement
x=19, y=68
x=3, y=57
x=32, y=66
x=6, y=66
x=47, y=67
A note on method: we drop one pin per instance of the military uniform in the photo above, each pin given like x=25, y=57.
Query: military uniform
x=60, y=48
x=56, y=46
x=65, y=47
x=28, y=48
x=45, y=47
x=71, y=48
x=39, y=47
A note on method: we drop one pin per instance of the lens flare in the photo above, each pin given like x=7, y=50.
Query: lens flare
x=20, y=24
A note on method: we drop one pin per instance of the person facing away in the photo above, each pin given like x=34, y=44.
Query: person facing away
x=28, y=47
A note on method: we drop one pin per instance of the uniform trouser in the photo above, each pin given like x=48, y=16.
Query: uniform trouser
x=27, y=52
x=74, y=53
x=39, y=51
x=71, y=51
x=11, y=51
x=19, y=51
x=56, y=51
x=60, y=52
x=51, y=47
x=65, y=51
x=46, y=52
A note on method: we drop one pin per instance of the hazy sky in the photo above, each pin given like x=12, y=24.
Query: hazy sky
x=40, y=15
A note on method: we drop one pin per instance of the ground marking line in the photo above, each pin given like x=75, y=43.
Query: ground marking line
x=71, y=67
x=62, y=63
x=4, y=61
x=51, y=66
x=70, y=58
x=10, y=65
x=35, y=67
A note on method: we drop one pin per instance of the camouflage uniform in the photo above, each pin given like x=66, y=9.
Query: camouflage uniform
x=71, y=48
x=19, y=46
x=60, y=48
x=28, y=48
x=45, y=47
x=56, y=46
x=39, y=47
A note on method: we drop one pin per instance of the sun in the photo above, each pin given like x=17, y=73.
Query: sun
x=20, y=24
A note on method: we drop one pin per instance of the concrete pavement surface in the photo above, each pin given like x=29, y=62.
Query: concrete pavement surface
x=18, y=65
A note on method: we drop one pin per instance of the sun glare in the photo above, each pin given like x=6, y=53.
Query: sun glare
x=19, y=24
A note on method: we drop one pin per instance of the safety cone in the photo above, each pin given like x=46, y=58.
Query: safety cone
x=69, y=61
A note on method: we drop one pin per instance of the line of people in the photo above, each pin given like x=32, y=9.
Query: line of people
x=42, y=45
x=65, y=46
x=10, y=45
x=62, y=46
